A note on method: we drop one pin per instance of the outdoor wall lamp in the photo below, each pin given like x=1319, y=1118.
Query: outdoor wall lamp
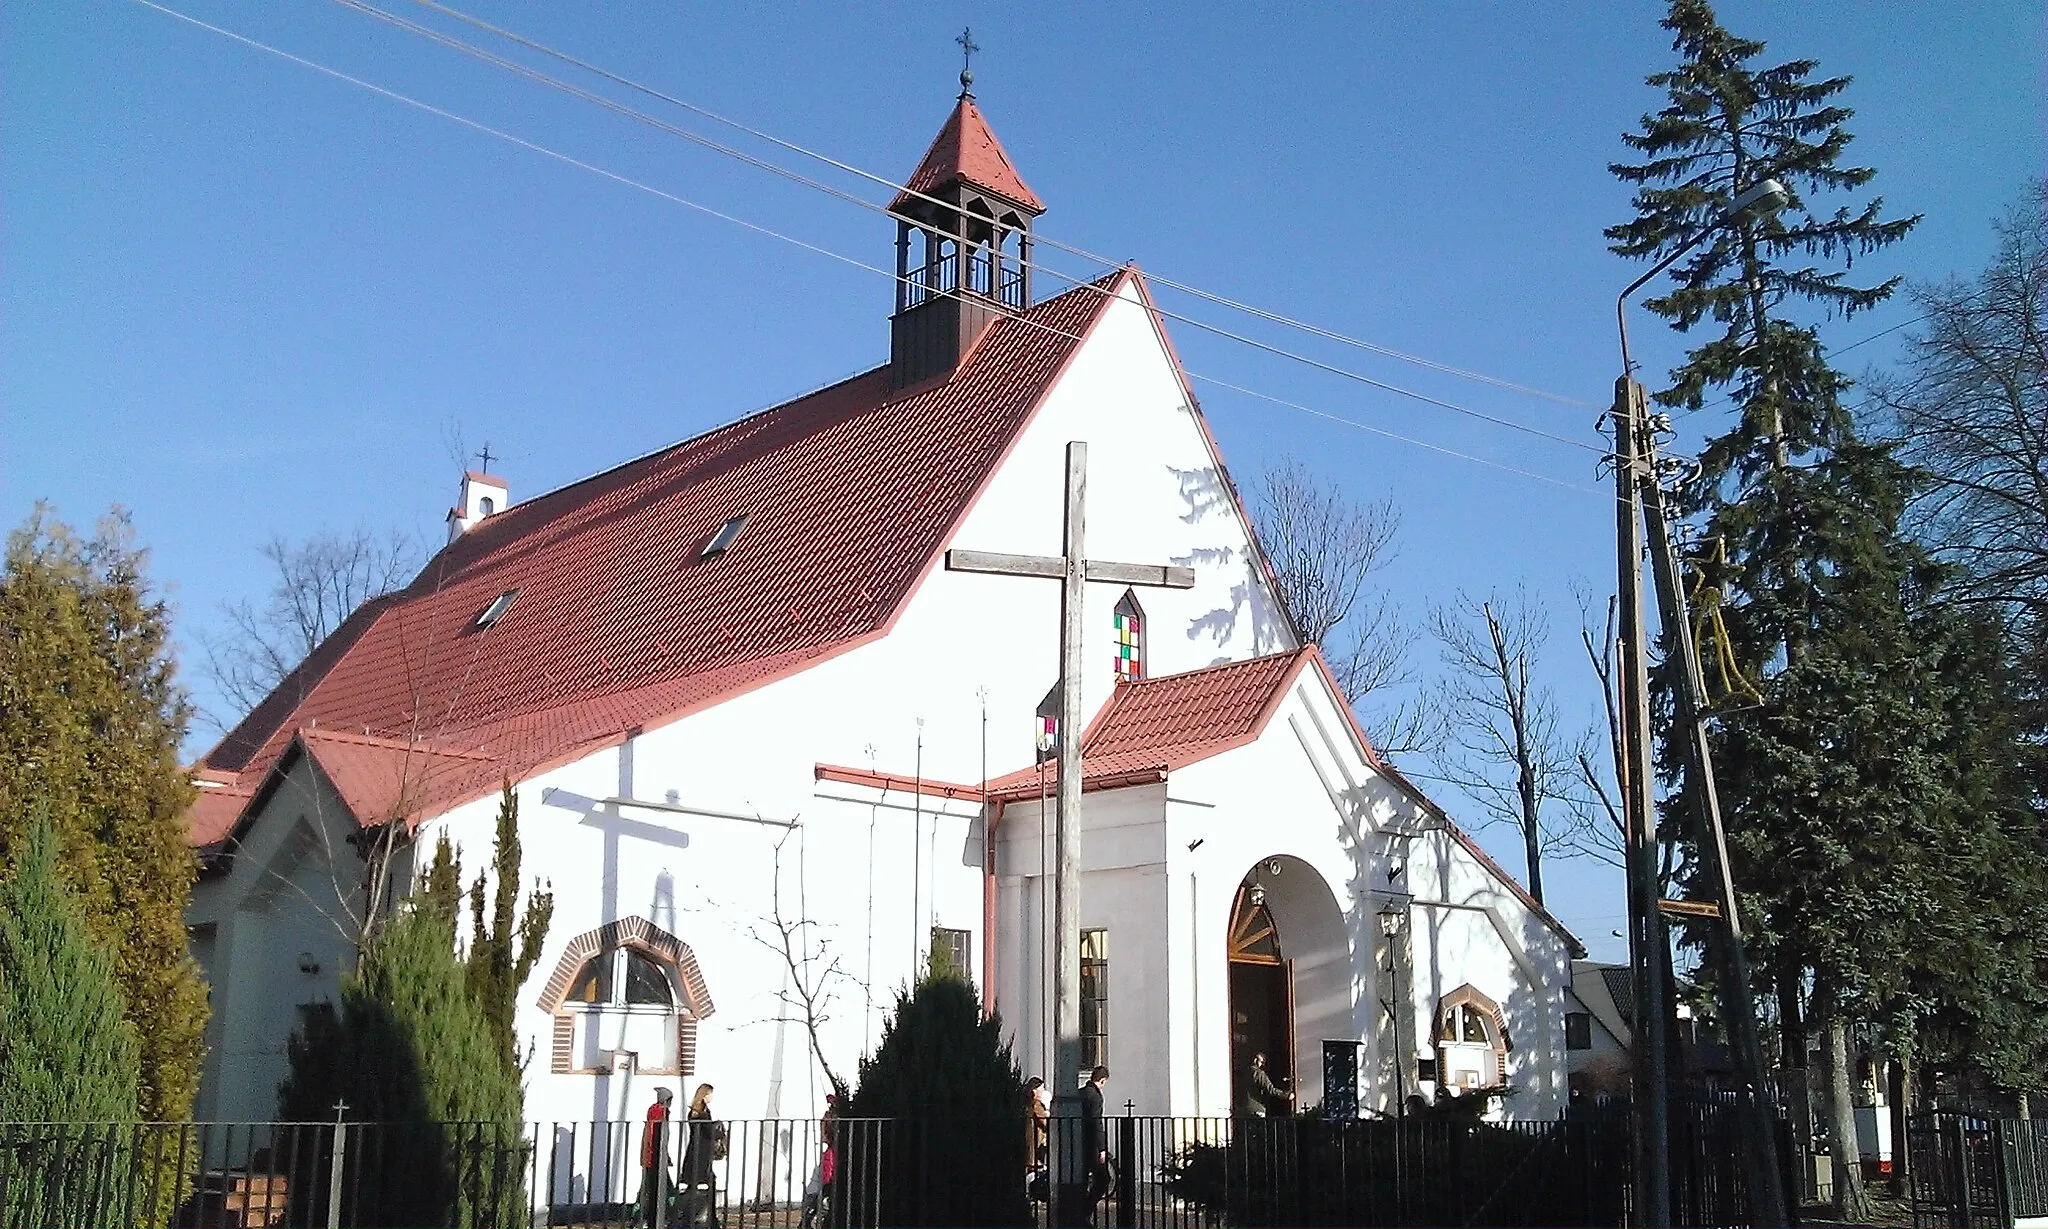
x=1390, y=921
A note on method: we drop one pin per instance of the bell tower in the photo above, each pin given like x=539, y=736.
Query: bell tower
x=963, y=246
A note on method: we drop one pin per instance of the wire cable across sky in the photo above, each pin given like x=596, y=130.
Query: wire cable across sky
x=673, y=198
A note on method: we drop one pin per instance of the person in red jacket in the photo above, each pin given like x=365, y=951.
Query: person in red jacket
x=654, y=1180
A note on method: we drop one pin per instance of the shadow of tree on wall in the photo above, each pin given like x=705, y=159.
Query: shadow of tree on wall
x=1249, y=608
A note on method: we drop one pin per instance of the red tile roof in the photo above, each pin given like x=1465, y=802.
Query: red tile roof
x=966, y=151
x=213, y=813
x=850, y=493
x=1156, y=725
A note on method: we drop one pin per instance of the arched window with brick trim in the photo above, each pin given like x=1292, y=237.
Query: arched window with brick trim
x=627, y=987
x=1471, y=1042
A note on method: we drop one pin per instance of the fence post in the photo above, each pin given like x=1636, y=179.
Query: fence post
x=1965, y=1204
x=1127, y=1172
x=2001, y=1171
x=334, y=1164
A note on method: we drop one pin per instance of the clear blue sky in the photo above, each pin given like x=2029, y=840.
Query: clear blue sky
x=242, y=299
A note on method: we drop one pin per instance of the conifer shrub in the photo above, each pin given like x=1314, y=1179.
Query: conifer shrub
x=89, y=736
x=69, y=1061
x=414, y=1057
x=951, y=1151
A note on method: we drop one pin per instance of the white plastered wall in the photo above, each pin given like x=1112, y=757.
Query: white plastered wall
x=953, y=688
x=292, y=899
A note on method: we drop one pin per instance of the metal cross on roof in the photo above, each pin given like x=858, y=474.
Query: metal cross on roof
x=485, y=456
x=967, y=49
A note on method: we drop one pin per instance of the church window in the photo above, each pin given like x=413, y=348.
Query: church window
x=486, y=505
x=951, y=952
x=1578, y=1030
x=1130, y=639
x=496, y=610
x=1463, y=1024
x=722, y=540
x=1048, y=727
x=626, y=993
x=1471, y=1044
x=1094, y=998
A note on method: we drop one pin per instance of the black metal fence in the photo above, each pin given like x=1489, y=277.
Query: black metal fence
x=1967, y=1172
x=1164, y=1173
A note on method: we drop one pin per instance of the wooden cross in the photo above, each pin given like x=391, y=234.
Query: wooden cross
x=1073, y=570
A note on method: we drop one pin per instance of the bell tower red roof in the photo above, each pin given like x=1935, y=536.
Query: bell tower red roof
x=966, y=151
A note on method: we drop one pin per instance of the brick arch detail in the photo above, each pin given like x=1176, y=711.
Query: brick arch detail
x=1471, y=995
x=632, y=932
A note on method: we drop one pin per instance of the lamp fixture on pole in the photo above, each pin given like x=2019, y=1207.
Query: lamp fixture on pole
x=1393, y=918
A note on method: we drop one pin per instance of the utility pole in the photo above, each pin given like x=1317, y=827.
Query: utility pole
x=1647, y=944
x=1637, y=483
x=1703, y=807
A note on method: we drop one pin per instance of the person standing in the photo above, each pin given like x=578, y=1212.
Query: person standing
x=1037, y=1126
x=1261, y=1094
x=706, y=1144
x=818, y=1190
x=1095, y=1138
x=654, y=1183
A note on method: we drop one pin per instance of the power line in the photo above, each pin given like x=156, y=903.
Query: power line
x=663, y=194
x=479, y=53
x=884, y=181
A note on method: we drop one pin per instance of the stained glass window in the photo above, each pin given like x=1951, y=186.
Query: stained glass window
x=1048, y=729
x=1130, y=639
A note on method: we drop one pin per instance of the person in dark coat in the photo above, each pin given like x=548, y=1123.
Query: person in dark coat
x=699, y=1183
x=1095, y=1138
x=1261, y=1094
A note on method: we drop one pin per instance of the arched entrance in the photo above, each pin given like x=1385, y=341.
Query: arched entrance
x=1261, y=994
x=1290, y=978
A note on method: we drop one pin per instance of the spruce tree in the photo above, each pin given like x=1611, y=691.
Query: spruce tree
x=412, y=1051
x=943, y=1075
x=67, y=1054
x=90, y=721
x=67, y=1051
x=1815, y=789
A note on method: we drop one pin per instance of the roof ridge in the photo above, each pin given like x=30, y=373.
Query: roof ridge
x=423, y=743
x=1220, y=665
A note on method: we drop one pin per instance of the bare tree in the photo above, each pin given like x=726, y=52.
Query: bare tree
x=813, y=971
x=315, y=585
x=1596, y=829
x=1971, y=410
x=1505, y=746
x=1326, y=550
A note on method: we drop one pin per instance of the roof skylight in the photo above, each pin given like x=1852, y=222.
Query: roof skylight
x=722, y=540
x=496, y=610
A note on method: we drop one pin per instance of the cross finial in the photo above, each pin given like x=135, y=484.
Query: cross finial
x=485, y=456
x=967, y=50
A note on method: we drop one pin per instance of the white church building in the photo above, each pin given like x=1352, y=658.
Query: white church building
x=770, y=751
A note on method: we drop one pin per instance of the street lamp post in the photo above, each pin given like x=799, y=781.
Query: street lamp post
x=1391, y=920
x=1639, y=490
